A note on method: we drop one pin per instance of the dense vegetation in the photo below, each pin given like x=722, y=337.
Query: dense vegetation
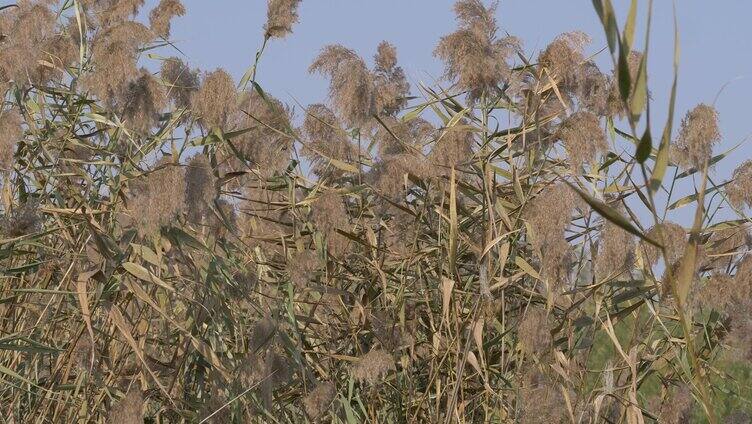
x=177, y=246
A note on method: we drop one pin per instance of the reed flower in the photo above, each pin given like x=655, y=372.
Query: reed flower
x=472, y=55
x=351, y=85
x=583, y=138
x=698, y=133
x=160, y=16
x=281, y=15
x=215, y=100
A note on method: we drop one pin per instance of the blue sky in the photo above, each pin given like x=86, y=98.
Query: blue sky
x=714, y=36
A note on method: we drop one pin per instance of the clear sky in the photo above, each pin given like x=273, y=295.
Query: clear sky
x=715, y=39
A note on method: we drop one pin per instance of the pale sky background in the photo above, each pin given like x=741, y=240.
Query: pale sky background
x=714, y=37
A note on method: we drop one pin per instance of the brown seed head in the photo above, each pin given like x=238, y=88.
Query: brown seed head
x=25, y=35
x=142, y=102
x=180, y=80
x=676, y=408
x=22, y=220
x=698, y=133
x=215, y=100
x=281, y=15
x=160, y=16
x=200, y=189
x=616, y=251
x=391, y=86
x=114, y=55
x=149, y=207
x=564, y=56
x=534, y=333
x=351, y=86
x=318, y=401
x=372, y=366
x=739, y=190
x=268, y=144
x=583, y=138
x=540, y=400
x=326, y=140
x=472, y=55
x=301, y=267
x=10, y=133
x=130, y=409
x=672, y=236
x=329, y=214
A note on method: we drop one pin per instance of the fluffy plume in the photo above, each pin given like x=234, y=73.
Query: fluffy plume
x=180, y=80
x=594, y=90
x=216, y=100
x=267, y=145
x=114, y=53
x=326, y=139
x=130, y=409
x=676, y=408
x=549, y=214
x=388, y=174
x=318, y=401
x=329, y=214
x=390, y=84
x=10, y=132
x=698, y=133
x=396, y=136
x=534, y=333
x=25, y=33
x=142, y=102
x=351, y=86
x=302, y=266
x=281, y=15
x=160, y=16
x=453, y=148
x=372, y=366
x=200, y=188
x=22, y=220
x=472, y=55
x=113, y=12
x=739, y=190
x=149, y=207
x=616, y=251
x=583, y=138
x=564, y=57
x=672, y=236
x=540, y=400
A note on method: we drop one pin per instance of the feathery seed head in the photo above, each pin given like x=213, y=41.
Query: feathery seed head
x=281, y=15
x=698, y=133
x=583, y=138
x=372, y=366
x=10, y=133
x=114, y=54
x=390, y=84
x=130, y=409
x=160, y=16
x=616, y=251
x=351, y=85
x=200, y=188
x=149, y=207
x=215, y=100
x=317, y=402
x=142, y=102
x=564, y=56
x=472, y=55
x=672, y=236
x=533, y=332
x=739, y=190
x=180, y=80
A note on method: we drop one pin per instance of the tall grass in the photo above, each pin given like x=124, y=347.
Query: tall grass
x=177, y=246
